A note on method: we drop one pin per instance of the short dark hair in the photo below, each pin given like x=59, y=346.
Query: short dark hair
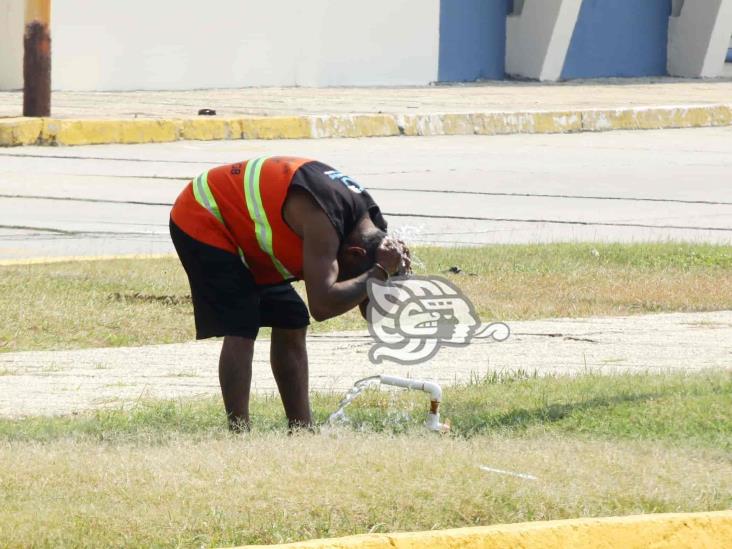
x=370, y=241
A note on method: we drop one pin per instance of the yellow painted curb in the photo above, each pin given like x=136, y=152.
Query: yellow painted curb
x=97, y=132
x=657, y=118
x=53, y=131
x=362, y=125
x=276, y=127
x=664, y=531
x=75, y=258
x=20, y=131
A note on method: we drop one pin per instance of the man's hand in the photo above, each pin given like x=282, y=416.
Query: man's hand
x=406, y=266
x=394, y=256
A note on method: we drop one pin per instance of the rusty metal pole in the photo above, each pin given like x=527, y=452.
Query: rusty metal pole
x=37, y=58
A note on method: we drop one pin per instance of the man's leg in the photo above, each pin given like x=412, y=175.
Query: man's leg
x=289, y=358
x=235, y=376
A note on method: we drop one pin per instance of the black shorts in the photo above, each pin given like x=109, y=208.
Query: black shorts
x=226, y=301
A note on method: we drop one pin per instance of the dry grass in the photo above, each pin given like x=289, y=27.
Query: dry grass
x=267, y=488
x=577, y=280
x=84, y=304
x=602, y=292
x=169, y=473
x=136, y=302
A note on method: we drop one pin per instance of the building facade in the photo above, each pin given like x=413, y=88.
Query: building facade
x=168, y=44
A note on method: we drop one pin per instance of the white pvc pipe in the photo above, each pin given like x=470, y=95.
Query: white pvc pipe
x=433, y=423
x=430, y=387
x=435, y=391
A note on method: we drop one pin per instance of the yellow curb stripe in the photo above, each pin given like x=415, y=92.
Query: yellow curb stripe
x=52, y=131
x=74, y=258
x=20, y=131
x=662, y=531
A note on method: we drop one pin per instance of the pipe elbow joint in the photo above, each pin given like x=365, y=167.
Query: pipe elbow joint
x=434, y=390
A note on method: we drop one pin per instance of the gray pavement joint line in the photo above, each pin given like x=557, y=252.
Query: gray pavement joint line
x=125, y=176
x=393, y=189
x=40, y=229
x=558, y=222
x=76, y=157
x=84, y=199
x=432, y=191
x=75, y=233
x=570, y=196
x=395, y=214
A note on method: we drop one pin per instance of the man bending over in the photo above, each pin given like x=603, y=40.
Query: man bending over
x=243, y=232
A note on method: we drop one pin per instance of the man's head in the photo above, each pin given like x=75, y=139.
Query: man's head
x=357, y=253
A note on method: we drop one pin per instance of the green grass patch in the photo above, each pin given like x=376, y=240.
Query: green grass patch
x=169, y=474
x=571, y=257
x=693, y=410
x=138, y=302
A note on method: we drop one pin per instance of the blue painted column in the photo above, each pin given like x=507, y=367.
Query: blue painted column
x=472, y=40
x=619, y=38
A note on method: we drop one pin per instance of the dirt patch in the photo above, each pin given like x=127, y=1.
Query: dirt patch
x=137, y=297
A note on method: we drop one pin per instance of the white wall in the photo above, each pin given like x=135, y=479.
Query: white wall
x=374, y=42
x=698, y=37
x=170, y=44
x=538, y=34
x=11, y=44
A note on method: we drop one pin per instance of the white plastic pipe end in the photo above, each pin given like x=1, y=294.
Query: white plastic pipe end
x=433, y=423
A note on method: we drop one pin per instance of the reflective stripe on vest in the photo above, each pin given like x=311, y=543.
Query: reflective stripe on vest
x=204, y=196
x=262, y=228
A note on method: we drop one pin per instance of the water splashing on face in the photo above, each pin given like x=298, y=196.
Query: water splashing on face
x=339, y=416
x=407, y=234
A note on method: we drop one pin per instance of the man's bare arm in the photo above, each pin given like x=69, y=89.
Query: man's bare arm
x=364, y=308
x=326, y=296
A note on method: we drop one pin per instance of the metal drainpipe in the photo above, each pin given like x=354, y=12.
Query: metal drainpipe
x=37, y=58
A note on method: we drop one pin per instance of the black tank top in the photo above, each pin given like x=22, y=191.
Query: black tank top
x=342, y=199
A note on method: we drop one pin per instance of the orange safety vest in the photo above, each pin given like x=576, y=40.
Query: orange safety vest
x=238, y=208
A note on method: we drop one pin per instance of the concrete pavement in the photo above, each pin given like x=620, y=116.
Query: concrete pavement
x=462, y=98
x=62, y=382
x=616, y=186
x=272, y=113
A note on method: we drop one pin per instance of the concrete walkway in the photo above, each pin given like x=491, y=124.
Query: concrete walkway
x=279, y=113
x=63, y=382
x=469, y=98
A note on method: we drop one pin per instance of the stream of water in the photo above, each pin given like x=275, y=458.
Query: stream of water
x=339, y=416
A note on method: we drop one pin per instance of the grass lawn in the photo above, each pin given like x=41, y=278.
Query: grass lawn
x=169, y=474
x=136, y=302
